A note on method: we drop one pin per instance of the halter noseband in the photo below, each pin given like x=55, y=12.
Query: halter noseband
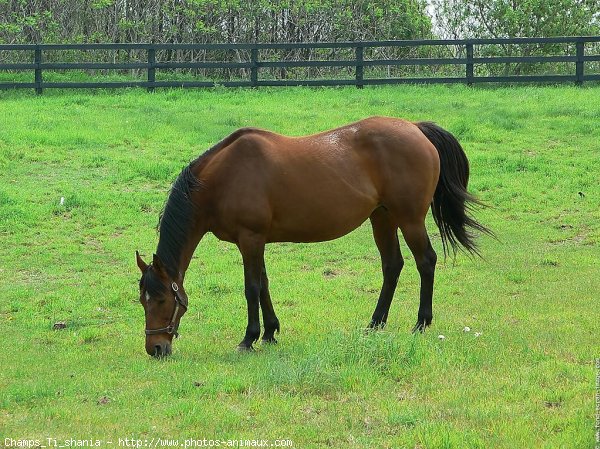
x=180, y=301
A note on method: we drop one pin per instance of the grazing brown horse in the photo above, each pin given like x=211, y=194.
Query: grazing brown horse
x=257, y=187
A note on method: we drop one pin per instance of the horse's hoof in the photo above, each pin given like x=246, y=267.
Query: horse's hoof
x=269, y=341
x=420, y=327
x=376, y=325
x=243, y=348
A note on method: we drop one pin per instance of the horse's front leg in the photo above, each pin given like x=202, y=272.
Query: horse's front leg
x=252, y=248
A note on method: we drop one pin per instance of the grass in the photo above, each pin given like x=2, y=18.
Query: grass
x=526, y=381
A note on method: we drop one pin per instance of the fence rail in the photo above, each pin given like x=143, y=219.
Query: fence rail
x=254, y=65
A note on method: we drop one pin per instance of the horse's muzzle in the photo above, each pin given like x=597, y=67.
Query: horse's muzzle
x=159, y=349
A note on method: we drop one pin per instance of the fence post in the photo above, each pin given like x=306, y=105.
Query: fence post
x=254, y=68
x=360, y=68
x=579, y=46
x=151, y=68
x=469, y=65
x=37, y=59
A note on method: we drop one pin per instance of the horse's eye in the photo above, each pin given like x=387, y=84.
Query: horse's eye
x=147, y=296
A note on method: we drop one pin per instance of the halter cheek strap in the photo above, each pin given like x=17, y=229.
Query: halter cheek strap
x=181, y=301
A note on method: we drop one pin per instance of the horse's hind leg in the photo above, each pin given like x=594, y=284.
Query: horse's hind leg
x=270, y=320
x=385, y=232
x=417, y=240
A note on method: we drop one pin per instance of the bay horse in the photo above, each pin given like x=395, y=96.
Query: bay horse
x=256, y=187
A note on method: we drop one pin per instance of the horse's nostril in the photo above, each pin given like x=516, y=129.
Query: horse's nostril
x=157, y=350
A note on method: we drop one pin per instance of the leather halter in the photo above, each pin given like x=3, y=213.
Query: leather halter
x=181, y=301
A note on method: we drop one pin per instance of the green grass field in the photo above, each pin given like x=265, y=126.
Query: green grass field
x=528, y=381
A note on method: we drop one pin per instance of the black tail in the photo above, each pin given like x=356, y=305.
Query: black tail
x=452, y=203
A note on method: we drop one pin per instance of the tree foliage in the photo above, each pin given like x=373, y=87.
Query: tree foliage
x=177, y=21
x=516, y=18
x=460, y=19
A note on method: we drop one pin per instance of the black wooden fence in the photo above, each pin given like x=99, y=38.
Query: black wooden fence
x=573, y=53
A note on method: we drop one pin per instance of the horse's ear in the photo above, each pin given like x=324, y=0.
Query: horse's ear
x=158, y=265
x=143, y=266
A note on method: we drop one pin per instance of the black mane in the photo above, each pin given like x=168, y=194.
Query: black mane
x=177, y=217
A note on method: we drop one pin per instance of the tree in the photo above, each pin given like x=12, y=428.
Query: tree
x=183, y=21
x=461, y=19
x=516, y=18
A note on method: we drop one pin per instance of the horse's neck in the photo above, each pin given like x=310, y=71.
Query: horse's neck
x=184, y=220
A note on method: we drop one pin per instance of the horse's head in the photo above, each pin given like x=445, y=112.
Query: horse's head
x=164, y=303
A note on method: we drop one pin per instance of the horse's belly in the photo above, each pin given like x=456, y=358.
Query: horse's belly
x=315, y=222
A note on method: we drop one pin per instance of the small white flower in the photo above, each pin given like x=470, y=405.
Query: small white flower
x=478, y=334
x=441, y=337
x=62, y=200
x=467, y=329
